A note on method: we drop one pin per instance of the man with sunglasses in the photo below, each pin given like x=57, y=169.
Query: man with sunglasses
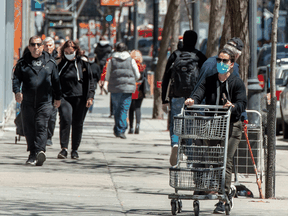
x=34, y=79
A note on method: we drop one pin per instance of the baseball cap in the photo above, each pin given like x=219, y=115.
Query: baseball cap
x=236, y=42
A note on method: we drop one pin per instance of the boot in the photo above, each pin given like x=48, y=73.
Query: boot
x=131, y=131
x=137, y=128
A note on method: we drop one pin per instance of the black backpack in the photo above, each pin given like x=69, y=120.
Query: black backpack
x=184, y=74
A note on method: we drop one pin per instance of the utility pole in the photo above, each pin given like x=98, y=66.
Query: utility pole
x=155, y=34
x=254, y=89
x=135, y=22
x=196, y=18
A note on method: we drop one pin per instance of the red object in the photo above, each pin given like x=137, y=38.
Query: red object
x=286, y=46
x=141, y=68
x=278, y=95
x=261, y=80
x=159, y=83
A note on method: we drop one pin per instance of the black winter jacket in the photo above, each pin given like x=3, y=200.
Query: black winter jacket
x=102, y=52
x=85, y=74
x=36, y=87
x=212, y=89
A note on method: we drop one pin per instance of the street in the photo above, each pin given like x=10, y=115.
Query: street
x=113, y=176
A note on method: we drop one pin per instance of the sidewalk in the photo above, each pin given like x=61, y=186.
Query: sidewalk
x=113, y=176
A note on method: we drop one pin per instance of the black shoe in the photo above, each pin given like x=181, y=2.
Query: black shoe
x=74, y=154
x=122, y=136
x=63, y=154
x=131, y=131
x=31, y=159
x=137, y=129
x=40, y=158
x=220, y=208
x=49, y=142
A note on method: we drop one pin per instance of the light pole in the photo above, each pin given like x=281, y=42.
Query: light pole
x=135, y=22
x=155, y=34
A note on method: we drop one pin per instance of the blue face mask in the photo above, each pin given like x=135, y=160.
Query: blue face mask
x=222, y=68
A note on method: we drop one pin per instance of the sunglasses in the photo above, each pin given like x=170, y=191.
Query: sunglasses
x=34, y=44
x=225, y=61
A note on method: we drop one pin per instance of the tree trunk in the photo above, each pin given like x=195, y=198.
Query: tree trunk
x=226, y=32
x=238, y=11
x=189, y=15
x=175, y=30
x=214, y=28
x=162, y=57
x=271, y=156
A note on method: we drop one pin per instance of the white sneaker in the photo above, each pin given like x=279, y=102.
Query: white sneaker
x=173, y=156
x=231, y=195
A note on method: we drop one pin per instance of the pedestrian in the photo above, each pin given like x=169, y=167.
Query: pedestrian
x=122, y=74
x=78, y=92
x=217, y=89
x=96, y=73
x=35, y=77
x=173, y=96
x=49, y=47
x=138, y=95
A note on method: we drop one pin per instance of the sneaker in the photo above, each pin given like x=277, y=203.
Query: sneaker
x=31, y=159
x=173, y=156
x=63, y=154
x=232, y=195
x=40, y=158
x=49, y=142
x=74, y=154
x=131, y=131
x=122, y=136
x=220, y=208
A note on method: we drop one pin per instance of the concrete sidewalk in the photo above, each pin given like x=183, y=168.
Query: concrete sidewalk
x=113, y=176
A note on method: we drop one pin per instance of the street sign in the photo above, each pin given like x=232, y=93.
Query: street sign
x=36, y=6
x=162, y=7
x=116, y=2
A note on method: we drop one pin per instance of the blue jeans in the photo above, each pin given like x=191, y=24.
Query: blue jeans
x=121, y=103
x=175, y=105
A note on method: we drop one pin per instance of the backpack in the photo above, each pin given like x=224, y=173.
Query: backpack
x=184, y=74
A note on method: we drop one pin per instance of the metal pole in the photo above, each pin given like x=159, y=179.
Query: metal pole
x=135, y=24
x=155, y=33
x=74, y=22
x=196, y=18
x=254, y=89
x=129, y=21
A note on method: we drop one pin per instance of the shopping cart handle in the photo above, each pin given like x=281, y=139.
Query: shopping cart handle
x=205, y=106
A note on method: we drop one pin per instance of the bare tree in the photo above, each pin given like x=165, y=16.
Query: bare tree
x=162, y=57
x=214, y=27
x=188, y=15
x=226, y=31
x=175, y=30
x=238, y=11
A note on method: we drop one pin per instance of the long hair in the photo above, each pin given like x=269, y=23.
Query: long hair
x=70, y=43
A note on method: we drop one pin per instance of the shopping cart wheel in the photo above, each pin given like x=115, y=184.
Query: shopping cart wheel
x=227, y=209
x=179, y=206
x=196, y=207
x=15, y=139
x=174, y=207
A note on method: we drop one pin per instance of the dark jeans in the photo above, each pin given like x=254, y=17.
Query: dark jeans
x=35, y=124
x=135, y=107
x=72, y=112
x=51, y=122
x=235, y=133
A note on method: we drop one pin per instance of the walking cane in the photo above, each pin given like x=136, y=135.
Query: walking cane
x=258, y=181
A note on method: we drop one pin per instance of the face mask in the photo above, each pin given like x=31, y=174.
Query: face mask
x=91, y=61
x=222, y=68
x=70, y=56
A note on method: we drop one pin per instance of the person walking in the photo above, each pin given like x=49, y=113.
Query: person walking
x=78, y=92
x=122, y=74
x=49, y=47
x=138, y=95
x=34, y=79
x=173, y=96
x=224, y=88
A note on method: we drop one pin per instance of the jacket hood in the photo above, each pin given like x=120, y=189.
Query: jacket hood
x=104, y=43
x=189, y=39
x=121, y=55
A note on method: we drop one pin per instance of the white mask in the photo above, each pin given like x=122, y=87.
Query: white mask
x=91, y=61
x=70, y=56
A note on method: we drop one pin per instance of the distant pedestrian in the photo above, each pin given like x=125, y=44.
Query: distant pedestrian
x=96, y=73
x=122, y=74
x=78, y=93
x=35, y=77
x=174, y=91
x=138, y=95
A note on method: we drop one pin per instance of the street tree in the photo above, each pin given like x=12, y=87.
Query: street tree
x=226, y=30
x=162, y=56
x=214, y=27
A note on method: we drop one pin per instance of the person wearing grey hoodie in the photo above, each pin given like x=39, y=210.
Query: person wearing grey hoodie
x=122, y=74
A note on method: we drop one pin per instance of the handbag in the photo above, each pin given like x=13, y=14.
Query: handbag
x=145, y=87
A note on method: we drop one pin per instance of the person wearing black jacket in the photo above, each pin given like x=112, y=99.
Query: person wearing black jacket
x=34, y=79
x=175, y=104
x=224, y=88
x=78, y=92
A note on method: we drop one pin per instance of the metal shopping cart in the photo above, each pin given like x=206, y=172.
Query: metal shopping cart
x=200, y=167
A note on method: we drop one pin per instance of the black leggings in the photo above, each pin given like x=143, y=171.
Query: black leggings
x=135, y=106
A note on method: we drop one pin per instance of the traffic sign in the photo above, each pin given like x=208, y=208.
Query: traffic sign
x=36, y=6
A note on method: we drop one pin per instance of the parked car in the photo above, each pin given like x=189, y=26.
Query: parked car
x=264, y=55
x=281, y=73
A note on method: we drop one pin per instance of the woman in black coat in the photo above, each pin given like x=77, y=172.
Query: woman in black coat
x=78, y=92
